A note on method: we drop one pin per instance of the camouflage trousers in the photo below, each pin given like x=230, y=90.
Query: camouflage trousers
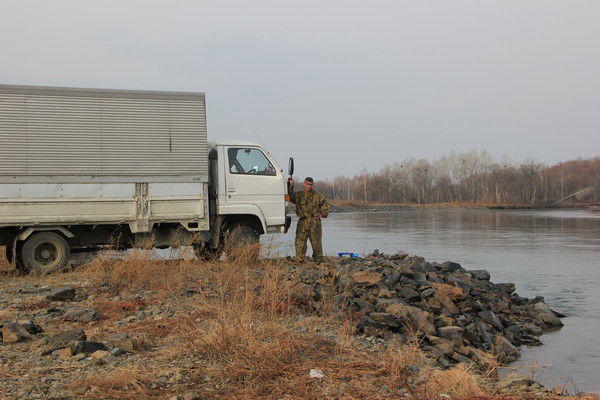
x=309, y=228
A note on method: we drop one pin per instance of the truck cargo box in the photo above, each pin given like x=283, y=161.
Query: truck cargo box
x=89, y=156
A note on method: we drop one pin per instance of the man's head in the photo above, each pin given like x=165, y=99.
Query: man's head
x=308, y=184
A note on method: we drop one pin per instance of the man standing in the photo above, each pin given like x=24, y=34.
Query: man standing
x=310, y=208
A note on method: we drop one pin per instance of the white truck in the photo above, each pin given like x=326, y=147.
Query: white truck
x=87, y=169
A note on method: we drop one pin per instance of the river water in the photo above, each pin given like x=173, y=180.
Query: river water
x=552, y=253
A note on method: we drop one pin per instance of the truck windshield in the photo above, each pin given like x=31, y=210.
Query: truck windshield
x=248, y=161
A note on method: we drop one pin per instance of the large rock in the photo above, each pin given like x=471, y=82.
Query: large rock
x=452, y=333
x=532, y=329
x=450, y=266
x=484, y=335
x=491, y=318
x=408, y=293
x=81, y=314
x=30, y=326
x=419, y=277
x=120, y=340
x=386, y=319
x=62, y=340
x=85, y=346
x=505, y=287
x=547, y=316
x=461, y=283
x=393, y=278
x=424, y=267
x=447, y=304
x=66, y=293
x=480, y=274
x=446, y=347
x=505, y=349
x=13, y=332
x=413, y=319
x=367, y=277
x=450, y=291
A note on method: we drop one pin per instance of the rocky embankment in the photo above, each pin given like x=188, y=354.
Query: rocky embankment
x=459, y=315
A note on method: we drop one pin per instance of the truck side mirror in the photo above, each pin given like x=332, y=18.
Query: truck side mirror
x=291, y=167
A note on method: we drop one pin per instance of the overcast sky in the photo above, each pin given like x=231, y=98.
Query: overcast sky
x=339, y=85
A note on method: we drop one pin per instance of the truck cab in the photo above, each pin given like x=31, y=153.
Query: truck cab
x=250, y=182
x=247, y=196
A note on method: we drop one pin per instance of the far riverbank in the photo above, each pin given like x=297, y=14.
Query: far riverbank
x=351, y=206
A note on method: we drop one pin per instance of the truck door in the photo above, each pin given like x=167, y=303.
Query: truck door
x=253, y=182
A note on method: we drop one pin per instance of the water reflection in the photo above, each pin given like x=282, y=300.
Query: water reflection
x=553, y=253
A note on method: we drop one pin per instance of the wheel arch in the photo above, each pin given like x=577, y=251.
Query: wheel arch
x=30, y=230
x=251, y=220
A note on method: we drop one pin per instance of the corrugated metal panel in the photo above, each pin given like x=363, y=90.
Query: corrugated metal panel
x=90, y=132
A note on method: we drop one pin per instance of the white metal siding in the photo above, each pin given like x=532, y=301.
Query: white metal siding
x=105, y=203
x=100, y=133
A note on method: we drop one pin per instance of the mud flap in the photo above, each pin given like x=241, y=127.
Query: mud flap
x=288, y=222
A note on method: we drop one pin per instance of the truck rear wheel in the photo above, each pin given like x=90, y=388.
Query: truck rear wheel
x=45, y=252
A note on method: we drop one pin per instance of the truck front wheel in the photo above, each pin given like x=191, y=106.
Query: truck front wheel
x=242, y=241
x=45, y=252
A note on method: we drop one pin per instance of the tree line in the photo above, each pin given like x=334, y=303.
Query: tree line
x=471, y=177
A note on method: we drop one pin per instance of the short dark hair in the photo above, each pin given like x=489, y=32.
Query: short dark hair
x=308, y=179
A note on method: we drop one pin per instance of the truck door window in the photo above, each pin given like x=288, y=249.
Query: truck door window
x=247, y=161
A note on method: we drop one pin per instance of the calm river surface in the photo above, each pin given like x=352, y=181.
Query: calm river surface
x=553, y=253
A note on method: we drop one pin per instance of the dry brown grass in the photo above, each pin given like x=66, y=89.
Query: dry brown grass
x=115, y=310
x=458, y=382
x=250, y=357
x=35, y=305
x=4, y=265
x=119, y=384
x=138, y=271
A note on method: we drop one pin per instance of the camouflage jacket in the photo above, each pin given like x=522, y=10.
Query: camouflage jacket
x=310, y=204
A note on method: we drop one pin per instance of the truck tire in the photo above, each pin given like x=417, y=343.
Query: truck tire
x=239, y=237
x=45, y=252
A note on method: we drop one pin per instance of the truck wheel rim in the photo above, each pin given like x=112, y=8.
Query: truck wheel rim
x=46, y=254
